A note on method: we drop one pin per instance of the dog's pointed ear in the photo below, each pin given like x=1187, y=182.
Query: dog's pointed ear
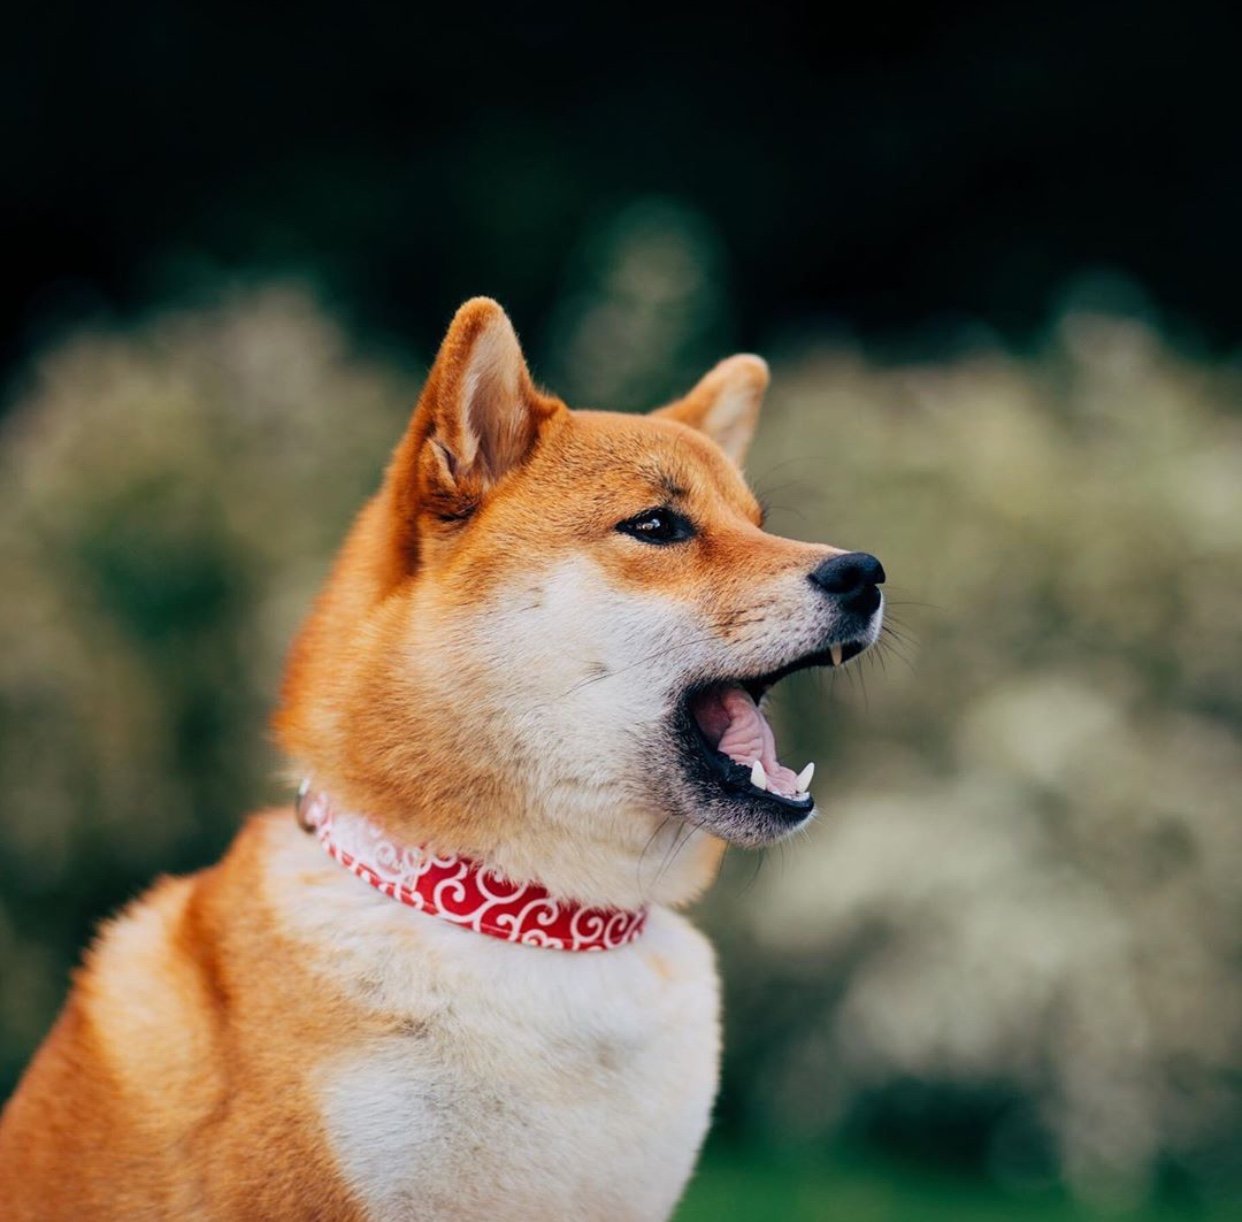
x=478, y=419
x=479, y=399
x=725, y=404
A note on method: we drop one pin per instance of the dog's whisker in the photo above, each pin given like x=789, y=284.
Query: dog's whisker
x=642, y=857
x=655, y=656
x=885, y=647
x=759, y=859
x=897, y=642
x=679, y=842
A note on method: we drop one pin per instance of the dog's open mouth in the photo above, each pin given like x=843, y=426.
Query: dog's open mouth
x=736, y=740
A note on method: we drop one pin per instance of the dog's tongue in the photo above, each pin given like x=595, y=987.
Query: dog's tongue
x=734, y=725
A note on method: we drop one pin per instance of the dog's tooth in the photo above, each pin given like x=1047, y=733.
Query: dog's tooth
x=804, y=777
x=835, y=650
x=758, y=778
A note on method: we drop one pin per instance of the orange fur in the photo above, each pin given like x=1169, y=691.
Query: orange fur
x=181, y=1078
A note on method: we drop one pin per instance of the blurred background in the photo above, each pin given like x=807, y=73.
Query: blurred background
x=993, y=254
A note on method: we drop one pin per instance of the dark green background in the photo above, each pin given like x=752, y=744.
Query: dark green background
x=892, y=169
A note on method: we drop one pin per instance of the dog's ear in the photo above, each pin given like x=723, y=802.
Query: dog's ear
x=477, y=419
x=725, y=404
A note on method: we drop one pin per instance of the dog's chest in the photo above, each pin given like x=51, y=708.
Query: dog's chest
x=533, y=1082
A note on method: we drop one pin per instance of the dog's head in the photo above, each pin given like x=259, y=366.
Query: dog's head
x=554, y=622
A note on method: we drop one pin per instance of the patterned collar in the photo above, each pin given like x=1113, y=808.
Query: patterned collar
x=461, y=891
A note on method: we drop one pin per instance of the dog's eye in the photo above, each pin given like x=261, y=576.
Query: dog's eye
x=657, y=526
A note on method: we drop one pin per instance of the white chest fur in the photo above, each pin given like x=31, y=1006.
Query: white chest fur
x=514, y=1082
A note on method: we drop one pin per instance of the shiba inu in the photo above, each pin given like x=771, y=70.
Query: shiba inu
x=527, y=706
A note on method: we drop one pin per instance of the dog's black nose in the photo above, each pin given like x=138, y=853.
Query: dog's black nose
x=853, y=578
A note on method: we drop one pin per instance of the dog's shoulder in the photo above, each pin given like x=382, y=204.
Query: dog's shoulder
x=150, y=1065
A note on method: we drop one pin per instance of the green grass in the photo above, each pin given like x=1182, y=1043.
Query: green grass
x=727, y=1188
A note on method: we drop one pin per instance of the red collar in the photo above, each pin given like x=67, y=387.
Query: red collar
x=462, y=891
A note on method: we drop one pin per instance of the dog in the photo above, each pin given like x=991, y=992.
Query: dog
x=527, y=705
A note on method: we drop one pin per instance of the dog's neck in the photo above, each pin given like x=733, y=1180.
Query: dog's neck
x=613, y=858
x=460, y=891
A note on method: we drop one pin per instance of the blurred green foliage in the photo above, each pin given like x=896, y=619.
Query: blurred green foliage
x=1010, y=944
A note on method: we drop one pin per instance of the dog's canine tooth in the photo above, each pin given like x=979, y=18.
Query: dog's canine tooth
x=758, y=778
x=804, y=777
x=835, y=650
